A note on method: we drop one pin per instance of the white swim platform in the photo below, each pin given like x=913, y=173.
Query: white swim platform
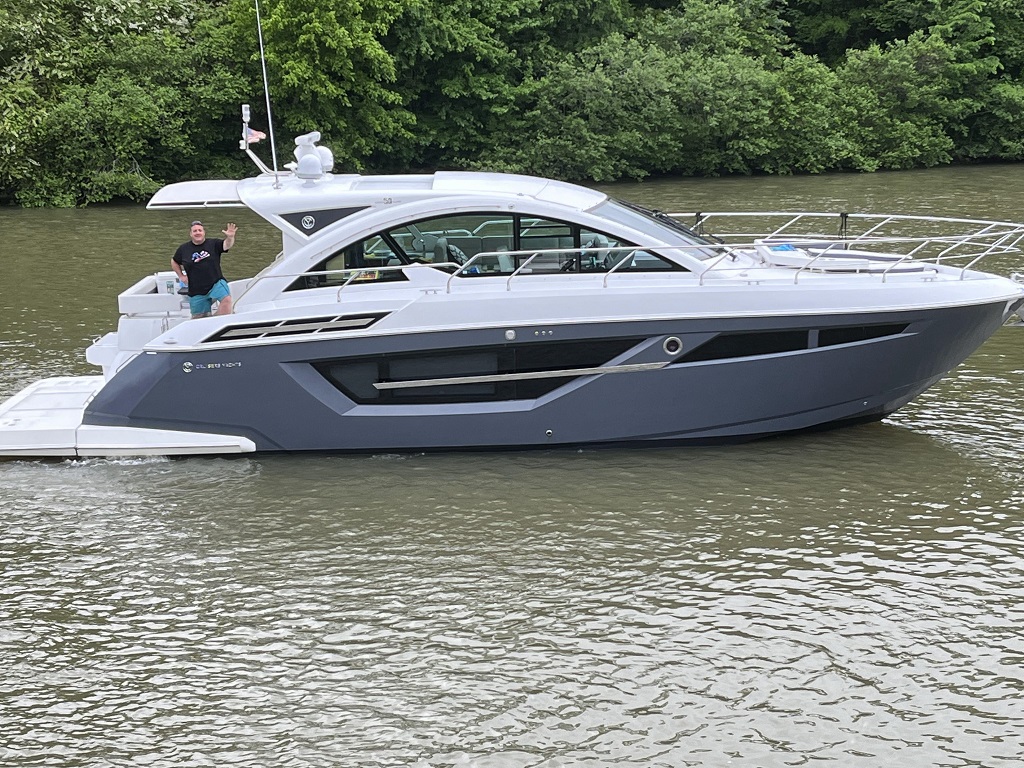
x=45, y=419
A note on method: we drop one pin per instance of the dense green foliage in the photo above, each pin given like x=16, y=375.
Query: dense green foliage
x=108, y=99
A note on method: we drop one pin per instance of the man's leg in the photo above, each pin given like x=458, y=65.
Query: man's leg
x=225, y=306
x=199, y=306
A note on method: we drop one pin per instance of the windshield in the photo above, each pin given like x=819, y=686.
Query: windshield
x=657, y=224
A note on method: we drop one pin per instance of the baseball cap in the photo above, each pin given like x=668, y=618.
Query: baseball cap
x=196, y=222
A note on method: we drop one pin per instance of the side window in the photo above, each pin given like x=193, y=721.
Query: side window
x=645, y=261
x=457, y=239
x=363, y=259
x=482, y=239
x=597, y=251
x=486, y=241
x=545, y=235
x=601, y=253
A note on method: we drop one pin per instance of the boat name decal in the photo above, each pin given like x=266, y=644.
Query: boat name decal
x=188, y=366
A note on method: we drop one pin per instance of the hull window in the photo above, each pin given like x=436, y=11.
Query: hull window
x=829, y=337
x=728, y=346
x=507, y=372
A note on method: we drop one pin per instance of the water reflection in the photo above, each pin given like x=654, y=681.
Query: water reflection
x=694, y=607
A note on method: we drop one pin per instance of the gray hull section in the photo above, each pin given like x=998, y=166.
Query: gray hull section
x=274, y=396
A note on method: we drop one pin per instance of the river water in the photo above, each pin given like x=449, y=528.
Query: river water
x=849, y=598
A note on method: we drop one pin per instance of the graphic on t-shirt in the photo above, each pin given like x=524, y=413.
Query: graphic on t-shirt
x=199, y=256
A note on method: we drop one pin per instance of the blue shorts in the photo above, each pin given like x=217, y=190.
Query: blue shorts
x=203, y=305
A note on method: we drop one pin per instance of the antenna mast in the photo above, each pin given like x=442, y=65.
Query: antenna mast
x=266, y=91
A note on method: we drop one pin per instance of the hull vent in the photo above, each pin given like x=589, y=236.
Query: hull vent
x=303, y=326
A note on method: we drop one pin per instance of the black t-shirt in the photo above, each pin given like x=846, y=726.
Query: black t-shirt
x=201, y=264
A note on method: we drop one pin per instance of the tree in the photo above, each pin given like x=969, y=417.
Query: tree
x=896, y=105
x=115, y=97
x=329, y=71
x=707, y=90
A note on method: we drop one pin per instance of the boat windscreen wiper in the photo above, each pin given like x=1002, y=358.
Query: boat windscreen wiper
x=669, y=221
x=676, y=224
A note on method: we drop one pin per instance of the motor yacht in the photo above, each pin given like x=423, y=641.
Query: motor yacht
x=458, y=310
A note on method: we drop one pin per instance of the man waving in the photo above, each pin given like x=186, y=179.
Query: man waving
x=197, y=263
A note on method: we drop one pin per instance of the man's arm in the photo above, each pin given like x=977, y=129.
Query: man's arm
x=229, y=236
x=178, y=271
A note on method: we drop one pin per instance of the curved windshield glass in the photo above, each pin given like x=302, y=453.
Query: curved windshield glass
x=656, y=224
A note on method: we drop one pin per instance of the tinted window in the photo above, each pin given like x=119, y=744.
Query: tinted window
x=731, y=345
x=457, y=239
x=356, y=378
x=658, y=224
x=362, y=261
x=488, y=242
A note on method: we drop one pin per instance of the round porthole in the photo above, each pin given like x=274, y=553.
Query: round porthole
x=672, y=345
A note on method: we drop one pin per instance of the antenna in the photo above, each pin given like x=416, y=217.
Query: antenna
x=266, y=91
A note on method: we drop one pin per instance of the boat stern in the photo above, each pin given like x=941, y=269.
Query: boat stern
x=44, y=420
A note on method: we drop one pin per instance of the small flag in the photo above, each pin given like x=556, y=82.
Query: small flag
x=253, y=136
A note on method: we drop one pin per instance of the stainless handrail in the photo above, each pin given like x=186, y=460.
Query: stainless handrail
x=534, y=253
x=325, y=272
x=355, y=273
x=1004, y=249
x=873, y=221
x=985, y=238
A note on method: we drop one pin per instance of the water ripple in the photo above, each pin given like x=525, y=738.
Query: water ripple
x=852, y=597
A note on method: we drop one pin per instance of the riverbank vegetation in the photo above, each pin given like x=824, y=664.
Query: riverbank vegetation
x=108, y=99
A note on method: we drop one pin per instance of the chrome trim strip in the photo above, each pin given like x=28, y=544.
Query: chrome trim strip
x=520, y=376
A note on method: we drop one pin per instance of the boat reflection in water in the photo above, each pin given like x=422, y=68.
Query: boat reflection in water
x=477, y=310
